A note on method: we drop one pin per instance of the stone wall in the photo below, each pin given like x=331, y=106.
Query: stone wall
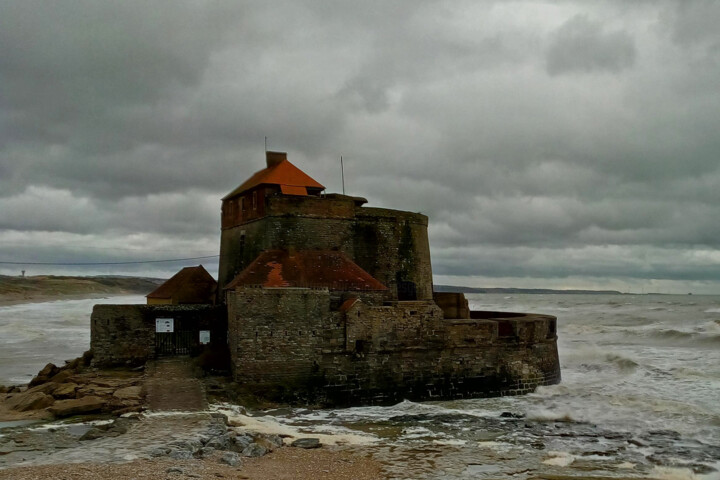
x=390, y=245
x=125, y=334
x=289, y=344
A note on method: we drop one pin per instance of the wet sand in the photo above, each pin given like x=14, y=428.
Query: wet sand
x=283, y=464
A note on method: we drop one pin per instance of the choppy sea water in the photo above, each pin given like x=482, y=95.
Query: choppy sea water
x=640, y=395
x=33, y=334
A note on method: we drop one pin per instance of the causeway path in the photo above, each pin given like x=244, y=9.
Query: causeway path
x=172, y=385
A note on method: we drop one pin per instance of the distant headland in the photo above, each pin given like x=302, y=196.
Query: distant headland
x=537, y=291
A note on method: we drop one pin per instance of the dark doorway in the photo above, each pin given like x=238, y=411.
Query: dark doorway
x=181, y=341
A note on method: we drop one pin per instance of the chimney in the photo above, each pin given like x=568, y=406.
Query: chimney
x=274, y=158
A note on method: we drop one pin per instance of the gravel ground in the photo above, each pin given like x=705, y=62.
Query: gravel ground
x=283, y=464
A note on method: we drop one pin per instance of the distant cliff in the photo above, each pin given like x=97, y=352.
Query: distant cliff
x=450, y=288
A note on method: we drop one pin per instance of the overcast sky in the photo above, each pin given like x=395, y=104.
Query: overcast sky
x=552, y=144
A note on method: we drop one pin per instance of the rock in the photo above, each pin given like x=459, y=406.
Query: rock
x=128, y=393
x=254, y=450
x=48, y=370
x=191, y=445
x=66, y=408
x=64, y=391
x=511, y=415
x=47, y=388
x=160, y=451
x=270, y=442
x=175, y=470
x=23, y=402
x=181, y=454
x=206, y=452
x=62, y=376
x=241, y=442
x=221, y=442
x=87, y=358
x=306, y=443
x=44, y=375
x=230, y=458
x=92, y=434
x=221, y=417
x=3, y=389
x=73, y=364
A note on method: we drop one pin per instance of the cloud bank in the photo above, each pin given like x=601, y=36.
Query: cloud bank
x=560, y=144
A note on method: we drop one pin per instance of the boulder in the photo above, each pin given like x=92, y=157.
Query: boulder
x=23, y=402
x=254, y=450
x=270, y=441
x=73, y=364
x=44, y=375
x=230, y=458
x=46, y=388
x=62, y=376
x=66, y=390
x=92, y=434
x=306, y=443
x=221, y=442
x=67, y=408
x=241, y=442
x=128, y=393
x=48, y=370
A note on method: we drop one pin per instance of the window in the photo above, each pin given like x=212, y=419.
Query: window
x=242, y=204
x=255, y=200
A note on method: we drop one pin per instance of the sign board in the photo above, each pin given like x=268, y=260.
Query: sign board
x=204, y=337
x=164, y=325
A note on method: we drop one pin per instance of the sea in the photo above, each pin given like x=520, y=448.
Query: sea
x=639, y=397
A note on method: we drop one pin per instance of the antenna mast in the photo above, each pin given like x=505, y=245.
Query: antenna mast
x=266, y=144
x=342, y=174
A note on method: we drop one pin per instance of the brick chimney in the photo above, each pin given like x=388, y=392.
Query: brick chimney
x=274, y=158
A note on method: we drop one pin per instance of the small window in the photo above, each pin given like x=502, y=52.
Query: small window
x=255, y=200
x=242, y=204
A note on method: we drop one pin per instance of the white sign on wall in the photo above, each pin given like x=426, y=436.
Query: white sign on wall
x=164, y=325
x=204, y=337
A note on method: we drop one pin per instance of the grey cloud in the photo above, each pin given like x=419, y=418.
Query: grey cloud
x=121, y=126
x=582, y=46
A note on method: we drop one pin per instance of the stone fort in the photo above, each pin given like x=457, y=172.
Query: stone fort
x=321, y=299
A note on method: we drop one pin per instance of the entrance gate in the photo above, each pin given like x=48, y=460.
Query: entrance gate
x=174, y=336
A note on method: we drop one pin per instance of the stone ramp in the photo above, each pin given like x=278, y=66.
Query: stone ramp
x=171, y=384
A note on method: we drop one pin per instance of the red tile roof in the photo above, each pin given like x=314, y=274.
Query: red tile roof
x=282, y=173
x=190, y=282
x=306, y=268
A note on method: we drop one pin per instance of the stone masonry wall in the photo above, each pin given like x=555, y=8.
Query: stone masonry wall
x=125, y=334
x=288, y=344
x=386, y=243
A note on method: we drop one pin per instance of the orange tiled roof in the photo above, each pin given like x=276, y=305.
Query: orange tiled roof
x=188, y=276
x=283, y=173
x=306, y=268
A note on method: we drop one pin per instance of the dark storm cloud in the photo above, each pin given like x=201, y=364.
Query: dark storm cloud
x=581, y=45
x=548, y=142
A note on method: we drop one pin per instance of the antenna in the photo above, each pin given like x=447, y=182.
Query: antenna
x=342, y=173
x=266, y=144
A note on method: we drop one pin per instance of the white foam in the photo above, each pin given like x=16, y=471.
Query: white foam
x=270, y=425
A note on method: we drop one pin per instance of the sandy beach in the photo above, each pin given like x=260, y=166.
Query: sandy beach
x=283, y=464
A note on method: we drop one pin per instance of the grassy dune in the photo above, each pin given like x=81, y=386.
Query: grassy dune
x=49, y=287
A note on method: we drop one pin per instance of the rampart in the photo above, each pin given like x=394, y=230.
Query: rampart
x=390, y=245
x=126, y=334
x=289, y=344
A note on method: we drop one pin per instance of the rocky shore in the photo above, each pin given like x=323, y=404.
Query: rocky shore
x=73, y=389
x=76, y=421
